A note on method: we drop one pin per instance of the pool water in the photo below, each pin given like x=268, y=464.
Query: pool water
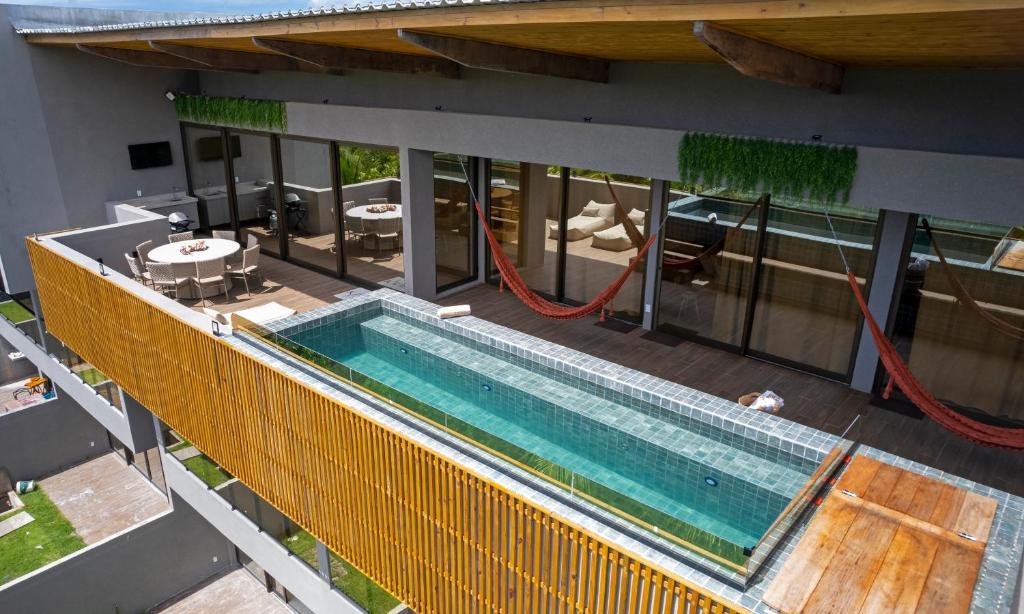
x=690, y=472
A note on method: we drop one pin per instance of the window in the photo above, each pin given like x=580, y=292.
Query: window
x=371, y=195
x=455, y=255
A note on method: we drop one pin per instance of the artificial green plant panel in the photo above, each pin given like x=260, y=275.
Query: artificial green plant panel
x=822, y=173
x=236, y=112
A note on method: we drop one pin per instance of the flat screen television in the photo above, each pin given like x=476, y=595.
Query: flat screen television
x=149, y=155
x=209, y=148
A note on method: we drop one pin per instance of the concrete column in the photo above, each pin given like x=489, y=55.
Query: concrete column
x=323, y=561
x=140, y=424
x=887, y=274
x=418, y=222
x=653, y=262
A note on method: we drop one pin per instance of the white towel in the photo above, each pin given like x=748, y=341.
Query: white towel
x=454, y=311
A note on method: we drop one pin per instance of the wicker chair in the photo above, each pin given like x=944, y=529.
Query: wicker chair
x=252, y=241
x=164, y=279
x=143, y=249
x=180, y=236
x=250, y=265
x=140, y=274
x=224, y=234
x=210, y=273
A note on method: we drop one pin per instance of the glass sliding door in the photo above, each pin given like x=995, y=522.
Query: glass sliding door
x=310, y=204
x=805, y=312
x=371, y=195
x=255, y=194
x=207, y=172
x=524, y=208
x=707, y=269
x=950, y=346
x=455, y=255
x=598, y=244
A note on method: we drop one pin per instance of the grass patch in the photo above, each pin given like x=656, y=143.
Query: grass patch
x=48, y=538
x=206, y=470
x=92, y=376
x=13, y=311
x=345, y=578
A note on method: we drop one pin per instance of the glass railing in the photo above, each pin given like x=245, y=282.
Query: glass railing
x=84, y=371
x=732, y=555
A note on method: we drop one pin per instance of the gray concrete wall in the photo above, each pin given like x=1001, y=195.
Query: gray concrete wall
x=14, y=370
x=110, y=242
x=67, y=121
x=956, y=111
x=48, y=438
x=127, y=573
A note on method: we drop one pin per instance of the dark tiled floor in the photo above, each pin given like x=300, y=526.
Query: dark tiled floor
x=810, y=400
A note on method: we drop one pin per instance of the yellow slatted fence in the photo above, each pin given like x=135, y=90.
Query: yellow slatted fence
x=437, y=536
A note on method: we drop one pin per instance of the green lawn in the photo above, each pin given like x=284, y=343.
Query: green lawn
x=14, y=312
x=49, y=537
x=92, y=376
x=346, y=578
x=206, y=470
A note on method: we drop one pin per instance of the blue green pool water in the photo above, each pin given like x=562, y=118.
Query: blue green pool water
x=704, y=477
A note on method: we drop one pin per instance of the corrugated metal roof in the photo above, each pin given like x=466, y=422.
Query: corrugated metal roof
x=191, y=20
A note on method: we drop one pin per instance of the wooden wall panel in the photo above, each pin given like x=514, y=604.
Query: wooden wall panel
x=439, y=537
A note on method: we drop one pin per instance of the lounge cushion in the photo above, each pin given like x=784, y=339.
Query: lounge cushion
x=613, y=239
x=580, y=227
x=637, y=217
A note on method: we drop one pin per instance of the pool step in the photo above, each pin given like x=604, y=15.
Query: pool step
x=726, y=460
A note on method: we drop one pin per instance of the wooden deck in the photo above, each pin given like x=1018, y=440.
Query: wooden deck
x=810, y=400
x=895, y=544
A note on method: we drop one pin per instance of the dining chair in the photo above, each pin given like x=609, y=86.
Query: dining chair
x=250, y=265
x=354, y=226
x=252, y=241
x=140, y=274
x=224, y=234
x=378, y=201
x=389, y=233
x=210, y=272
x=143, y=249
x=164, y=279
x=180, y=236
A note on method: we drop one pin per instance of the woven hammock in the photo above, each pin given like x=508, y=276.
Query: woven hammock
x=965, y=298
x=510, y=277
x=694, y=264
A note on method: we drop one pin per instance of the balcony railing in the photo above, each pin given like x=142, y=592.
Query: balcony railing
x=439, y=537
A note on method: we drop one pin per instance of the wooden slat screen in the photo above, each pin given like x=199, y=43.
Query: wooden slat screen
x=437, y=536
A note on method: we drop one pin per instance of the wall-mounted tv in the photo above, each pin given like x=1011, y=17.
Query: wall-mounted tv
x=149, y=155
x=209, y=148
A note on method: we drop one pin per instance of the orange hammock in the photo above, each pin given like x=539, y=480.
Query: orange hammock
x=965, y=298
x=511, y=277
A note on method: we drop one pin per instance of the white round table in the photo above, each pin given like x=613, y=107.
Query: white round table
x=364, y=213
x=185, y=264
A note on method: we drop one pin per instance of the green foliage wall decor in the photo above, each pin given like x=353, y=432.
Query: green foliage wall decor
x=822, y=173
x=236, y=112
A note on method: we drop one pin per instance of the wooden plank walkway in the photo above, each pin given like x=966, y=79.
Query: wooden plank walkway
x=819, y=403
x=895, y=545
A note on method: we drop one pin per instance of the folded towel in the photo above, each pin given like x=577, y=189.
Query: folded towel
x=454, y=311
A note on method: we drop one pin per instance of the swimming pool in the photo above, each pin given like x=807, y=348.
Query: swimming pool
x=710, y=487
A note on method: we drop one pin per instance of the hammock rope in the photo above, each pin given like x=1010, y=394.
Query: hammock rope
x=901, y=376
x=694, y=263
x=965, y=298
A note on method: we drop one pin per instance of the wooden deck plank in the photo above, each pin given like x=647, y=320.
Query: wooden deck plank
x=882, y=485
x=901, y=579
x=810, y=559
x=859, y=474
x=852, y=570
x=951, y=579
x=903, y=494
x=947, y=508
x=925, y=499
x=976, y=516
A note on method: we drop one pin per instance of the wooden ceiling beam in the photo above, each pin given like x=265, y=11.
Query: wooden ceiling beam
x=762, y=60
x=333, y=57
x=146, y=59
x=226, y=59
x=491, y=56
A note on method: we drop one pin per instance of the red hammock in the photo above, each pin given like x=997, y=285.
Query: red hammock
x=900, y=375
x=965, y=298
x=542, y=306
